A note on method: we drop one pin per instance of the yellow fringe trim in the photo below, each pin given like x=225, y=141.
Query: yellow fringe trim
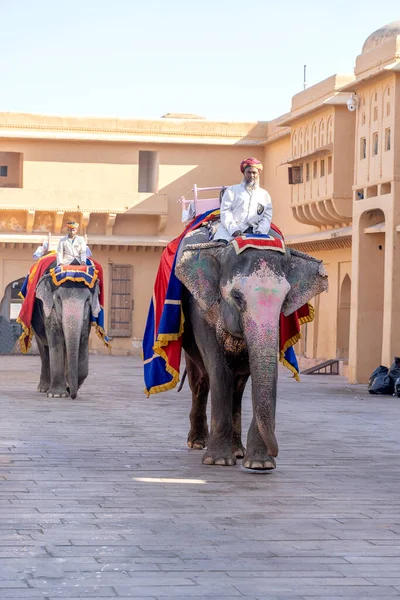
x=293, y=340
x=162, y=340
x=27, y=332
x=70, y=278
x=101, y=334
x=310, y=317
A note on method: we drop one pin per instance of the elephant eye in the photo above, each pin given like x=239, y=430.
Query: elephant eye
x=238, y=298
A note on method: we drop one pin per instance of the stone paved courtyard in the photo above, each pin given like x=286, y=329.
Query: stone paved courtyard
x=101, y=498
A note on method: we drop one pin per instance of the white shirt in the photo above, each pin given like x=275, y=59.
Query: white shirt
x=242, y=208
x=41, y=250
x=71, y=249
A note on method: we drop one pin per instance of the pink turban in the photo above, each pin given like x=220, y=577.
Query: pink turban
x=250, y=162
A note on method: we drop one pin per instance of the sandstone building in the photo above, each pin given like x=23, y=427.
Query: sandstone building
x=333, y=174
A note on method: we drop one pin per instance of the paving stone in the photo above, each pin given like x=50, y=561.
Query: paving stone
x=101, y=498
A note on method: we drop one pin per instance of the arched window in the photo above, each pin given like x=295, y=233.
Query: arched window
x=330, y=131
x=386, y=109
x=294, y=143
x=314, y=136
x=374, y=115
x=301, y=145
x=307, y=139
x=322, y=133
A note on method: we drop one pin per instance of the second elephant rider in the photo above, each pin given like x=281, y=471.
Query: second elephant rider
x=246, y=207
x=72, y=248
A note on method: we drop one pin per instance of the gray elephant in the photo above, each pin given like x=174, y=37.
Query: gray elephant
x=232, y=308
x=61, y=323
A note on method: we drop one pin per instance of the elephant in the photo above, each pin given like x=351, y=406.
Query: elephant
x=61, y=324
x=231, y=305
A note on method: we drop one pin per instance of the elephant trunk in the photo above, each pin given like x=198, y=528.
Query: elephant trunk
x=72, y=326
x=263, y=368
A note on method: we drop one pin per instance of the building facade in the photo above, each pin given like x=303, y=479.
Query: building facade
x=331, y=166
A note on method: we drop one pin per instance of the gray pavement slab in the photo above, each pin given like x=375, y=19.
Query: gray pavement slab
x=101, y=498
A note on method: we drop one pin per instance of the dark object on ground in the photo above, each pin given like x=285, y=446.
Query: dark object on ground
x=380, y=382
x=397, y=388
x=394, y=371
x=383, y=380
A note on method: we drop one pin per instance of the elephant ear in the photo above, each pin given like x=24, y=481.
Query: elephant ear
x=44, y=292
x=199, y=271
x=307, y=278
x=95, y=303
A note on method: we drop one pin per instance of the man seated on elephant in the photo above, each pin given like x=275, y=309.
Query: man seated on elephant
x=246, y=207
x=72, y=248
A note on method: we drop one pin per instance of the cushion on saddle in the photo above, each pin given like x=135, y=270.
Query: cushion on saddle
x=87, y=274
x=261, y=242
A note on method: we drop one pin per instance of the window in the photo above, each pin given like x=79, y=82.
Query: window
x=308, y=172
x=322, y=169
x=148, y=171
x=11, y=167
x=314, y=136
x=121, y=300
x=363, y=118
x=295, y=175
x=329, y=165
x=322, y=133
x=387, y=139
x=363, y=147
x=315, y=169
x=388, y=109
x=329, y=130
x=375, y=113
x=375, y=144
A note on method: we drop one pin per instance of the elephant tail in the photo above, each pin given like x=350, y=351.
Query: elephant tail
x=182, y=380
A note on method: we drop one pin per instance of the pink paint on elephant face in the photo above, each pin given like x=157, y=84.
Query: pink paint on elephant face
x=264, y=292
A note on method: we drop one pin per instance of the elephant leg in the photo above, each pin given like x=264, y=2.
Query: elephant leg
x=219, y=446
x=83, y=361
x=257, y=456
x=237, y=446
x=58, y=386
x=200, y=386
x=44, y=382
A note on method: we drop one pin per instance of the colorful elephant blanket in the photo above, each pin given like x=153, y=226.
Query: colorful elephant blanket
x=162, y=340
x=88, y=274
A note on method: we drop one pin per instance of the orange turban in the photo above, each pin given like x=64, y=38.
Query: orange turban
x=72, y=225
x=250, y=162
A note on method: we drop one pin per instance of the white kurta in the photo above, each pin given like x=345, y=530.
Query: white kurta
x=242, y=208
x=69, y=250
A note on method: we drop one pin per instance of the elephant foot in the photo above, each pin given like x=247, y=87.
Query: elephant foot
x=219, y=457
x=238, y=449
x=57, y=394
x=43, y=387
x=197, y=440
x=258, y=462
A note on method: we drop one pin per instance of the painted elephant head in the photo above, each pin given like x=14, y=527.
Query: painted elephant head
x=242, y=296
x=66, y=311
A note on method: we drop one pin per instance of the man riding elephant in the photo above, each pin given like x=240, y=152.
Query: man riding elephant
x=72, y=248
x=246, y=207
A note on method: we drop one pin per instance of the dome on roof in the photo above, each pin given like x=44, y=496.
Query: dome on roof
x=381, y=35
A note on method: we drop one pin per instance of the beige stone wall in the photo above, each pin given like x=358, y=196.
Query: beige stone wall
x=330, y=331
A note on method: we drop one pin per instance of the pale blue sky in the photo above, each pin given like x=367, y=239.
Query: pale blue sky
x=222, y=59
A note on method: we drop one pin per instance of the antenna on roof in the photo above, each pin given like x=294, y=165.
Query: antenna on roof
x=305, y=77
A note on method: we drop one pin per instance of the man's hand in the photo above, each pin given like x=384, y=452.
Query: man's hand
x=236, y=233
